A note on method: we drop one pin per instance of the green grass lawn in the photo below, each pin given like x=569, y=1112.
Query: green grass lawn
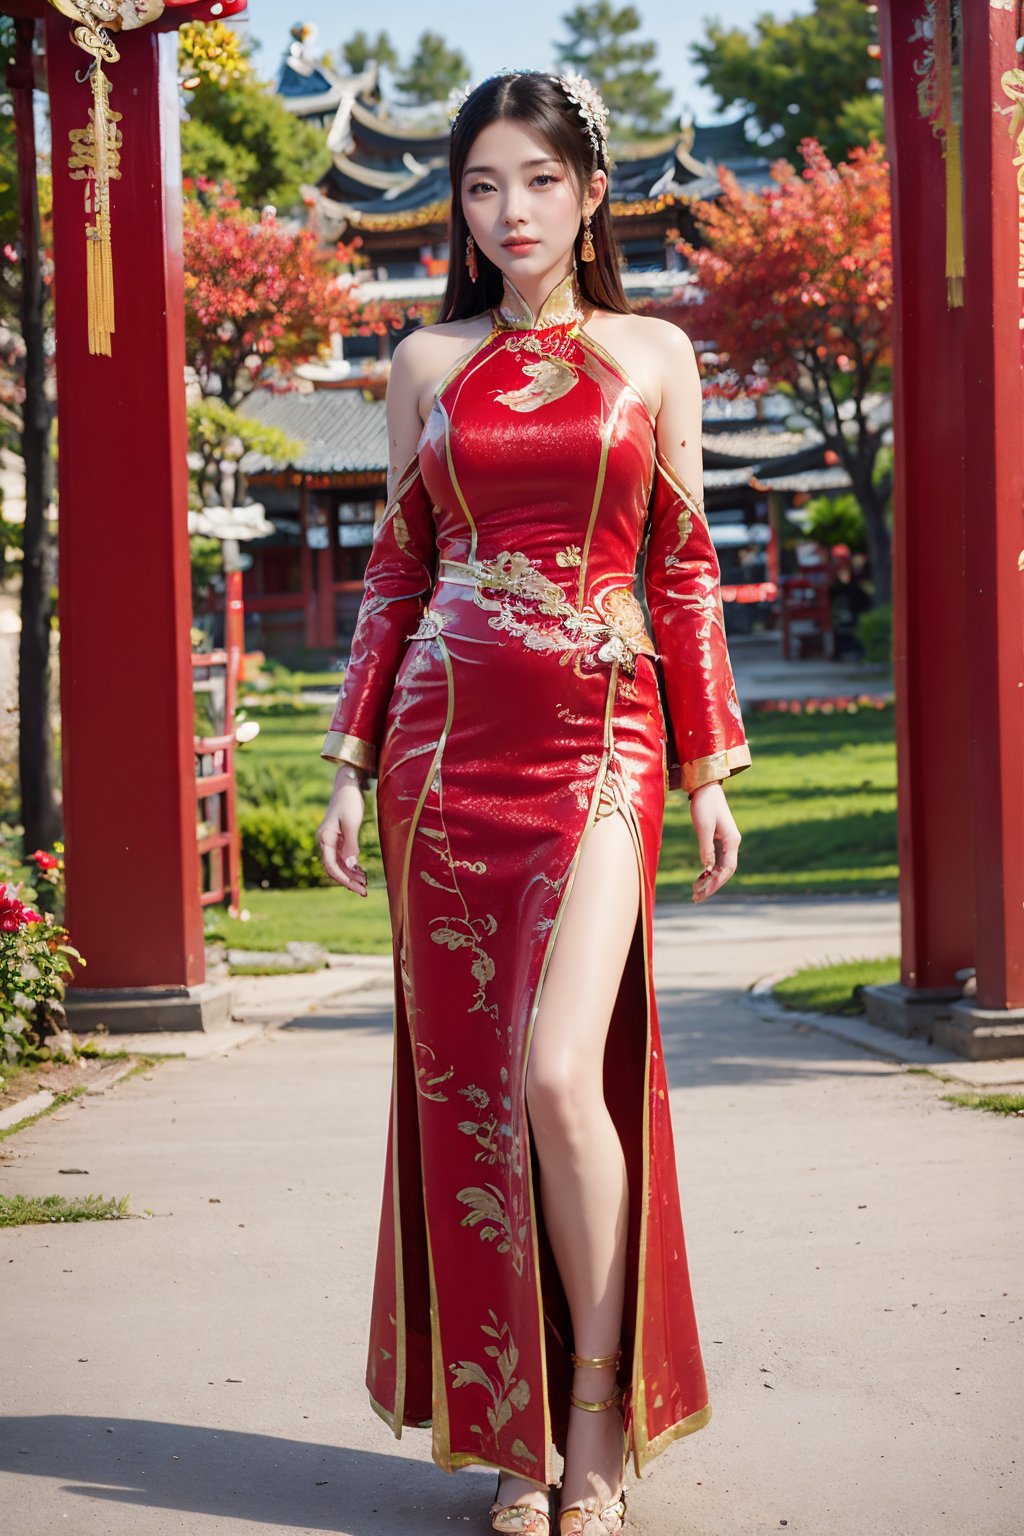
x=25, y=1210
x=817, y=811
x=830, y=988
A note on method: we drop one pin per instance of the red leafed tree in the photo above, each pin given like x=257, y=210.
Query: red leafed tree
x=260, y=299
x=798, y=280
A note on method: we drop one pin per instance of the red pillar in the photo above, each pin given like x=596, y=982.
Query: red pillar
x=309, y=596
x=929, y=608
x=993, y=381
x=323, y=558
x=958, y=634
x=125, y=608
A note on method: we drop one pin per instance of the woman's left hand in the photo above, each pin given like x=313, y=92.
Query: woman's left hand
x=718, y=839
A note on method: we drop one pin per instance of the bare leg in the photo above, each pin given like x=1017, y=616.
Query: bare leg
x=584, y=1190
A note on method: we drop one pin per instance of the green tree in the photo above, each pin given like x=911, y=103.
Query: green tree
x=433, y=71
x=24, y=301
x=837, y=520
x=361, y=48
x=218, y=435
x=810, y=76
x=602, y=46
x=242, y=132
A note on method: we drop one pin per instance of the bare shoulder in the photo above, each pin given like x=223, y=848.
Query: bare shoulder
x=423, y=358
x=648, y=333
x=649, y=349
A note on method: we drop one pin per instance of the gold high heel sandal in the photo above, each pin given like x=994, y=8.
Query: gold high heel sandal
x=519, y=1519
x=581, y=1518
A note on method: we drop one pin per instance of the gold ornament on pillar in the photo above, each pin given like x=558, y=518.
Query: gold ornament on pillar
x=96, y=150
x=940, y=102
x=1012, y=83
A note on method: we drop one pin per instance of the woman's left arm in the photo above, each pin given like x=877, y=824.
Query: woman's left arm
x=682, y=586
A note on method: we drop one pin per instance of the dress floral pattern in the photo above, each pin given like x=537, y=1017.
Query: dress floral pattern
x=504, y=687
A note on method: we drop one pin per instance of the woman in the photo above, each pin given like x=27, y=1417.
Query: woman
x=522, y=725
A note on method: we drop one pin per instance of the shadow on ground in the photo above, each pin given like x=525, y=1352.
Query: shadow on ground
x=197, y=1470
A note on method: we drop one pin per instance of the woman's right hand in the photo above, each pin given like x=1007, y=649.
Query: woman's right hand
x=338, y=834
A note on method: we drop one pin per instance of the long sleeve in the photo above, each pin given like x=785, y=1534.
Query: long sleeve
x=682, y=587
x=399, y=577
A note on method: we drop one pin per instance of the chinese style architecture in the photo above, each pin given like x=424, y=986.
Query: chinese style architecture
x=388, y=181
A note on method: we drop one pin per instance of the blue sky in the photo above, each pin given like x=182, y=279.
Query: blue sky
x=466, y=25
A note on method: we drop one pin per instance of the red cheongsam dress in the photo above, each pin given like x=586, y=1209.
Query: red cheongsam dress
x=503, y=687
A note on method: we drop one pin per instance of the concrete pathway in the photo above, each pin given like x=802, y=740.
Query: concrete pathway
x=856, y=1245
x=762, y=673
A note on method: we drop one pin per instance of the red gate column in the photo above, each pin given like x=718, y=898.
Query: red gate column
x=125, y=608
x=994, y=501
x=929, y=602
x=959, y=450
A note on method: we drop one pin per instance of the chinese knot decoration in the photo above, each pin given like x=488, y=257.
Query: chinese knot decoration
x=96, y=150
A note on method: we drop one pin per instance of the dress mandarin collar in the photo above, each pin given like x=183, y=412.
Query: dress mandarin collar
x=563, y=306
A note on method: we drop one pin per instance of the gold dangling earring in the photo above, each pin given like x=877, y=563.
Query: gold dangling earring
x=471, y=258
x=587, y=252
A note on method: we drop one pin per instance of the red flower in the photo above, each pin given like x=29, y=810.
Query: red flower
x=14, y=915
x=46, y=860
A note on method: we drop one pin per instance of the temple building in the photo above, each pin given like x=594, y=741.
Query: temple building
x=388, y=183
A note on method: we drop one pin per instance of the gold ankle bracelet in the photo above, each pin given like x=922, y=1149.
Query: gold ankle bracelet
x=595, y=1360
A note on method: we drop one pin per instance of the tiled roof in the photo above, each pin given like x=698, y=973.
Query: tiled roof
x=756, y=445
x=341, y=431
x=728, y=479
x=832, y=477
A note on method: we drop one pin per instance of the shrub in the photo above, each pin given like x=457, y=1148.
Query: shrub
x=874, y=631
x=35, y=959
x=266, y=786
x=837, y=520
x=279, y=847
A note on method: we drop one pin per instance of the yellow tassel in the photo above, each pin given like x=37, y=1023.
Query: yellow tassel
x=99, y=265
x=954, y=219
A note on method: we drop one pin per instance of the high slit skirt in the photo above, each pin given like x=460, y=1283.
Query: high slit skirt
x=496, y=758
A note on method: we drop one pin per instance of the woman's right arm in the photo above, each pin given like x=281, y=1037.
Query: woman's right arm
x=399, y=577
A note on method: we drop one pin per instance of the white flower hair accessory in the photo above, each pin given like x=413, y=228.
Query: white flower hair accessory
x=457, y=98
x=459, y=95
x=581, y=92
x=591, y=108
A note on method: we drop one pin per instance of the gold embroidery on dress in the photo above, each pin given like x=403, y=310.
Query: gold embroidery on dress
x=625, y=619
x=620, y=626
x=488, y=1205
x=550, y=378
x=583, y=784
x=463, y=932
x=430, y=625
x=505, y=1390
x=607, y=800
x=570, y=555
x=496, y=1138
x=427, y=1079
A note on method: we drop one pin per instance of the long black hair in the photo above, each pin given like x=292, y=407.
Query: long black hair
x=540, y=103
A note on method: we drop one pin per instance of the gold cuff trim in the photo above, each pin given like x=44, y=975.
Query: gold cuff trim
x=710, y=770
x=339, y=747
